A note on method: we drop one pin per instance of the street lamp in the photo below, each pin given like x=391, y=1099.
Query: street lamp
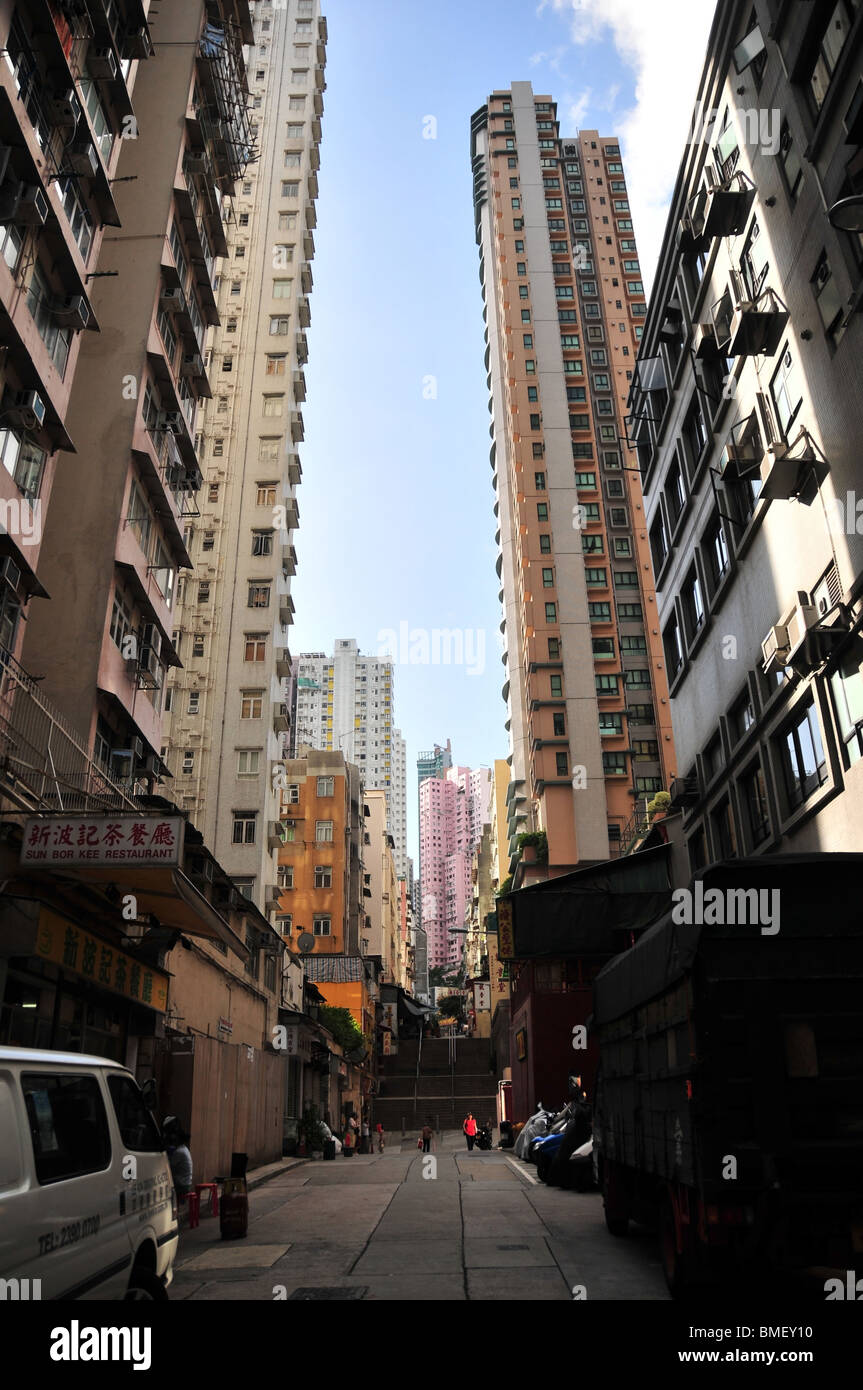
x=847, y=214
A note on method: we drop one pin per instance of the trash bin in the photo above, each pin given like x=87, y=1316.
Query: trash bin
x=329, y=1148
x=234, y=1206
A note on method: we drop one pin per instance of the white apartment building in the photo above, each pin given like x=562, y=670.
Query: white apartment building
x=229, y=707
x=345, y=702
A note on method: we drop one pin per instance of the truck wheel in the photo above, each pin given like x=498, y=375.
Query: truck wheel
x=616, y=1215
x=676, y=1265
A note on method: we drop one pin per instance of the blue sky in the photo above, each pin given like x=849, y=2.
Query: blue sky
x=396, y=502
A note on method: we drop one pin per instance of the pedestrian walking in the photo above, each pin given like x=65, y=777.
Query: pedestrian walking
x=427, y=1137
x=380, y=1133
x=469, y=1128
x=179, y=1155
x=365, y=1135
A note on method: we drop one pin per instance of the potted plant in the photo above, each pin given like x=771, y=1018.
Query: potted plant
x=659, y=805
x=534, y=847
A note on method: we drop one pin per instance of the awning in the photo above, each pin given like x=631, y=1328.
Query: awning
x=586, y=912
x=166, y=893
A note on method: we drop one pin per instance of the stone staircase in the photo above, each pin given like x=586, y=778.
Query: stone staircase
x=443, y=1091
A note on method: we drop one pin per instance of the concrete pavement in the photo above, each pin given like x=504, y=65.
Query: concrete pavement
x=374, y=1227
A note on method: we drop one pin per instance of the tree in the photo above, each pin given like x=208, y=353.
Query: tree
x=340, y=1022
x=452, y=1006
x=441, y=975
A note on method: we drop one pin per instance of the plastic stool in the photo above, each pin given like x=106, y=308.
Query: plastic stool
x=213, y=1189
x=194, y=1203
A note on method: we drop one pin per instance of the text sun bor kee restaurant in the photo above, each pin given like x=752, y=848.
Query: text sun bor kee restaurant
x=89, y=906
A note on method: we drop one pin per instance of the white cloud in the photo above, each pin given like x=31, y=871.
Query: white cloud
x=576, y=112
x=664, y=44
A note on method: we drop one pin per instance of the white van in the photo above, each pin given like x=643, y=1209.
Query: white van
x=87, y=1204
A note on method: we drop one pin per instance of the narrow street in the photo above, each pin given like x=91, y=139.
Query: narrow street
x=372, y=1227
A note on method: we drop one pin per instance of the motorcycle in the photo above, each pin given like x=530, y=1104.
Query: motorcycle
x=484, y=1137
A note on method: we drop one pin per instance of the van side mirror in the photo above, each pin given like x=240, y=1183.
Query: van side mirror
x=149, y=1093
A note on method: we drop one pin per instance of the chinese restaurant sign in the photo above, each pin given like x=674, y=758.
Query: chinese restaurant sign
x=103, y=840
x=75, y=949
x=505, y=934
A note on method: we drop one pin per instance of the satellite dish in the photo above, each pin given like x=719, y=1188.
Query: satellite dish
x=306, y=941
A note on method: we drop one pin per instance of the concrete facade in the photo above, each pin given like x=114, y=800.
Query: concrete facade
x=750, y=367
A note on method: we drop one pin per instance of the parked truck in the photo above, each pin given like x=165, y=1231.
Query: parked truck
x=729, y=1102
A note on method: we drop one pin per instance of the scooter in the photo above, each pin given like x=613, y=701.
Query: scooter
x=483, y=1137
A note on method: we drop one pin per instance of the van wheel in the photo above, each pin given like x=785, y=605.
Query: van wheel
x=144, y=1287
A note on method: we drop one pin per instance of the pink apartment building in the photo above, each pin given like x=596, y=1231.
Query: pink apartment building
x=453, y=809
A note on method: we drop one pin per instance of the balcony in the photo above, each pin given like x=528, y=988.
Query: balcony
x=283, y=661
x=295, y=469
x=286, y=604
x=311, y=216
x=309, y=245
x=277, y=834
x=289, y=559
x=281, y=723
x=296, y=426
x=306, y=277
x=44, y=764
x=302, y=349
x=320, y=78
x=299, y=385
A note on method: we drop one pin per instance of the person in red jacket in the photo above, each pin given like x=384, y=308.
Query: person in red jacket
x=469, y=1128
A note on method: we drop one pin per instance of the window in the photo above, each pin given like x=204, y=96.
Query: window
x=592, y=545
x=561, y=764
x=279, y=325
x=545, y=546
x=188, y=762
x=554, y=648
x=596, y=578
x=548, y=577
x=24, y=460
x=828, y=298
x=629, y=612
x=599, y=612
x=587, y=481
x=321, y=926
x=255, y=646
x=727, y=149
x=325, y=786
x=742, y=717
x=57, y=340
x=273, y=406
x=830, y=48
x=251, y=704
x=606, y=685
x=324, y=831
x=673, y=647
x=626, y=579
x=785, y=391
x=603, y=648
x=610, y=725
x=259, y=596
x=693, y=604
x=754, y=795
x=846, y=684
x=539, y=482
x=614, y=764
x=262, y=542
x=244, y=823
x=194, y=702
x=266, y=495
x=276, y=363
x=790, y=161
x=323, y=876
x=197, y=645
x=555, y=685
x=542, y=511
x=634, y=643
x=68, y=1125
x=803, y=762
x=725, y=831
x=622, y=546
x=204, y=591
x=658, y=542
x=551, y=612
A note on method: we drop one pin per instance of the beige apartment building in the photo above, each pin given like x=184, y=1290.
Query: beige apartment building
x=227, y=731
x=381, y=935
x=587, y=705
x=747, y=411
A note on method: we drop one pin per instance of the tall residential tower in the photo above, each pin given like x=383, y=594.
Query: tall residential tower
x=585, y=684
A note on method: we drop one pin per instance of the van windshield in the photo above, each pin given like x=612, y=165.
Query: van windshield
x=68, y=1125
x=137, y=1127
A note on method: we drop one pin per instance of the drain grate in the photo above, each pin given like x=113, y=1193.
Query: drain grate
x=513, y=1247
x=328, y=1292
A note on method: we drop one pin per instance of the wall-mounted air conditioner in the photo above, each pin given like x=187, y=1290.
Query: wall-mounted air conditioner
x=27, y=410
x=101, y=63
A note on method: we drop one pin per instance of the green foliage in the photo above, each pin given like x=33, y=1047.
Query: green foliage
x=340, y=1022
x=452, y=1007
x=660, y=802
x=539, y=840
x=441, y=975
x=505, y=887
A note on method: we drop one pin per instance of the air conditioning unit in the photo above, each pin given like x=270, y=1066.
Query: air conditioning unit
x=10, y=573
x=135, y=43
x=27, y=410
x=73, y=312
x=193, y=365
x=727, y=207
x=64, y=110
x=31, y=207
x=774, y=649
x=170, y=420
x=101, y=63
x=704, y=342
x=196, y=164
x=82, y=159
x=802, y=619
x=151, y=639
x=756, y=324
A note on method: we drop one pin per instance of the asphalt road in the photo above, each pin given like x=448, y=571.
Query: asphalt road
x=478, y=1226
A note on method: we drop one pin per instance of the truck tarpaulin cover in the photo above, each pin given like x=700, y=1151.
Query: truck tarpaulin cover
x=585, y=912
x=819, y=895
